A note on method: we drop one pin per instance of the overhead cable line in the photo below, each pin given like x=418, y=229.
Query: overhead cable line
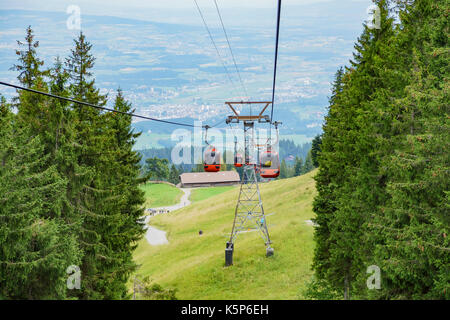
x=98, y=107
x=229, y=46
x=276, y=59
x=214, y=43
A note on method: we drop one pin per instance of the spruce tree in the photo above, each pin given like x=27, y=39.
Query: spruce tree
x=308, y=166
x=349, y=161
x=412, y=226
x=382, y=182
x=174, y=176
x=94, y=141
x=158, y=169
x=315, y=149
x=29, y=64
x=37, y=246
x=122, y=206
x=298, y=165
x=284, y=170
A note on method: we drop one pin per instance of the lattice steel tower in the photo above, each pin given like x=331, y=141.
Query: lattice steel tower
x=249, y=211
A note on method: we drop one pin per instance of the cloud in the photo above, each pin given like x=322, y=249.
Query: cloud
x=11, y=46
x=103, y=6
x=128, y=70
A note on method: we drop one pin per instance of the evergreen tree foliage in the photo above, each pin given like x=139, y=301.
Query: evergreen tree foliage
x=37, y=245
x=75, y=178
x=174, y=175
x=110, y=201
x=157, y=169
x=79, y=66
x=29, y=64
x=315, y=150
x=298, y=167
x=289, y=148
x=121, y=202
x=383, y=175
x=198, y=168
x=308, y=165
x=283, y=170
x=412, y=226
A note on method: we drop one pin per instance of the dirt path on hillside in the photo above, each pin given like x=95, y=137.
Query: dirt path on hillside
x=157, y=237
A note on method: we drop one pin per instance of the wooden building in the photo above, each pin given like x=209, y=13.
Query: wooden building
x=209, y=179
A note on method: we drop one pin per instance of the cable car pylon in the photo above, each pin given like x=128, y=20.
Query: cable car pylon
x=249, y=211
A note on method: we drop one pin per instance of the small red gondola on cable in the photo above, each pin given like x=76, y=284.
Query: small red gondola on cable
x=211, y=157
x=269, y=160
x=238, y=160
x=269, y=163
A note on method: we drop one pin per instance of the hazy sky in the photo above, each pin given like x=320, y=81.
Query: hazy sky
x=183, y=11
x=110, y=7
x=56, y=5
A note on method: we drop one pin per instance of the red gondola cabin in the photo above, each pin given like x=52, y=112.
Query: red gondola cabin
x=269, y=164
x=238, y=160
x=211, y=159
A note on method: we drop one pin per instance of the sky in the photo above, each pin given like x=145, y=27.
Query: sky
x=155, y=10
x=53, y=5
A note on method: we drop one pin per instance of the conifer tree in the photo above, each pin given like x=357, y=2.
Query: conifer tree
x=174, y=176
x=29, y=64
x=122, y=207
x=95, y=148
x=348, y=159
x=412, y=226
x=298, y=166
x=45, y=120
x=158, y=169
x=326, y=184
x=79, y=65
x=33, y=109
x=36, y=247
x=60, y=141
x=381, y=191
x=308, y=165
x=315, y=150
x=284, y=170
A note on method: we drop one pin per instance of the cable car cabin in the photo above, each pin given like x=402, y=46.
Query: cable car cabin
x=269, y=164
x=211, y=159
x=238, y=160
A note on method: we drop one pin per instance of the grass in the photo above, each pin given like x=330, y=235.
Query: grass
x=195, y=264
x=160, y=195
x=199, y=194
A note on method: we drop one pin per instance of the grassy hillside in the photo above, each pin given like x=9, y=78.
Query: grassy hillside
x=195, y=264
x=199, y=194
x=159, y=195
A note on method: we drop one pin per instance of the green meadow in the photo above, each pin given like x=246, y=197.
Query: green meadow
x=194, y=264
